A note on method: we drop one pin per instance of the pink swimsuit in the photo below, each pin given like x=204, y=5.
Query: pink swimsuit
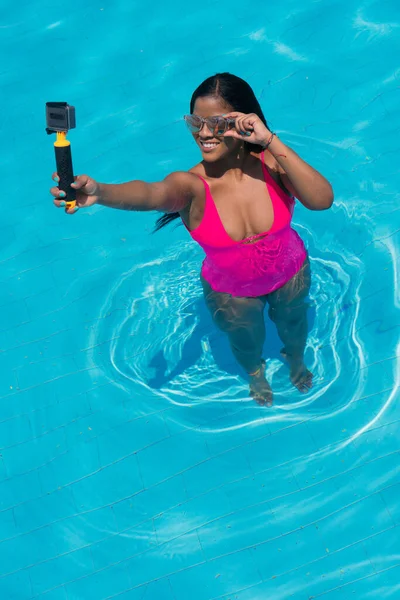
x=250, y=269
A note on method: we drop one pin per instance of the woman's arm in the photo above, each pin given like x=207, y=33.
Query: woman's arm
x=172, y=194
x=300, y=179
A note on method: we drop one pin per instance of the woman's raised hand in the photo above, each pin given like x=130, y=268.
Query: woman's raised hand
x=249, y=128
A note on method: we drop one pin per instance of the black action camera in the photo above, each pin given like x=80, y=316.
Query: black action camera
x=60, y=116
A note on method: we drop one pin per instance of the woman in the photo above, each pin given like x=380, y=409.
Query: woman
x=237, y=203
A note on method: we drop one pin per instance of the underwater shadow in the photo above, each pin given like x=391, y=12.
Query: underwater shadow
x=199, y=320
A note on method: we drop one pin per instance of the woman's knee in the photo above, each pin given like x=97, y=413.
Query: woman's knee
x=287, y=316
x=224, y=318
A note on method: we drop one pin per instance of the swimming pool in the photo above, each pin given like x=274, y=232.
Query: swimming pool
x=133, y=464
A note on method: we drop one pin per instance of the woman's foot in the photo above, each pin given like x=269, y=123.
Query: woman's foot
x=300, y=376
x=260, y=389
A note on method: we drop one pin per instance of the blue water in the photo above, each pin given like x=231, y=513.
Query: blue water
x=133, y=464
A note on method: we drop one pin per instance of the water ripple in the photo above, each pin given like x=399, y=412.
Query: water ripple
x=165, y=344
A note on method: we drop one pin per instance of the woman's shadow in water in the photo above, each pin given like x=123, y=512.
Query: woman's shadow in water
x=192, y=351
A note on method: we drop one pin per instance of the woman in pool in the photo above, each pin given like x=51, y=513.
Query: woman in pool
x=237, y=203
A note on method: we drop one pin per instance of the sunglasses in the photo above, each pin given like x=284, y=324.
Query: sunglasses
x=217, y=125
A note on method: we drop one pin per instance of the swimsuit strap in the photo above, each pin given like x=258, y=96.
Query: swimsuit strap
x=281, y=201
x=211, y=221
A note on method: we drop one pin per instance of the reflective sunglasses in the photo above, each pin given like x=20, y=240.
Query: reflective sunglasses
x=217, y=125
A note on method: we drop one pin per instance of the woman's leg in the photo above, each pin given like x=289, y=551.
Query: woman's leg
x=242, y=319
x=288, y=310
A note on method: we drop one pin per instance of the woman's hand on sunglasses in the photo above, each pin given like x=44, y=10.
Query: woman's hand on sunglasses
x=249, y=128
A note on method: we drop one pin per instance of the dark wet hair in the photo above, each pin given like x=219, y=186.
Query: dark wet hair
x=233, y=91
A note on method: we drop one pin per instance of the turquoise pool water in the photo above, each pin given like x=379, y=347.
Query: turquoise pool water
x=133, y=464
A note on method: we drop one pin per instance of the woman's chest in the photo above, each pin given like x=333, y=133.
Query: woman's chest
x=241, y=210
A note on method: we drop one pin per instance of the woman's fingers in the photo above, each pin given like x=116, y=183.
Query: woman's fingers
x=60, y=196
x=243, y=124
x=83, y=183
x=242, y=119
x=54, y=191
x=233, y=115
x=239, y=118
x=63, y=204
x=239, y=122
x=239, y=133
x=234, y=134
x=72, y=210
x=60, y=202
x=80, y=182
x=86, y=184
x=248, y=128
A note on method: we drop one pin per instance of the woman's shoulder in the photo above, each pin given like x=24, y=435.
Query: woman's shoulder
x=197, y=170
x=274, y=169
x=267, y=159
x=183, y=178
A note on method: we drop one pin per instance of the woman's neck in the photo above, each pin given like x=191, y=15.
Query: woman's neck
x=233, y=165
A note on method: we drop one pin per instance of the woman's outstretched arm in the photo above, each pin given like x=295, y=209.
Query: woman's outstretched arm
x=172, y=194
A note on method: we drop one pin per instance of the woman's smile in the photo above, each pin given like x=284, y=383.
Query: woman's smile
x=208, y=146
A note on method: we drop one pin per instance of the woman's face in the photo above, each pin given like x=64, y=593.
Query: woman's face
x=212, y=146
